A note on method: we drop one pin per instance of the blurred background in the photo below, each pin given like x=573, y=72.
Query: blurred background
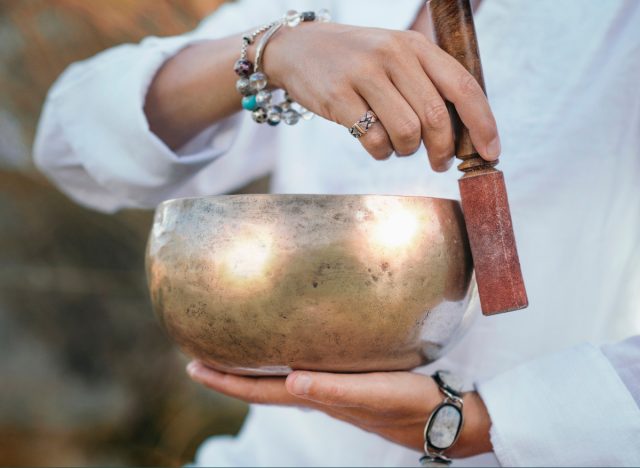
x=87, y=377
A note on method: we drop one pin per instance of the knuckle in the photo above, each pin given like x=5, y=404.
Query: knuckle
x=381, y=154
x=376, y=144
x=436, y=115
x=407, y=151
x=388, y=45
x=415, y=37
x=440, y=162
x=334, y=392
x=440, y=156
x=469, y=86
x=408, y=131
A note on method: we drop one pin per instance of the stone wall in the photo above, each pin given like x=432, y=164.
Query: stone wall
x=86, y=375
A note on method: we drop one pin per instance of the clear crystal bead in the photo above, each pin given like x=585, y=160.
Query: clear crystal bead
x=306, y=114
x=290, y=117
x=258, y=81
x=274, y=115
x=323, y=15
x=292, y=18
x=263, y=97
x=243, y=86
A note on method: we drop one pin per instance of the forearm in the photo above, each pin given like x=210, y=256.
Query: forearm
x=193, y=90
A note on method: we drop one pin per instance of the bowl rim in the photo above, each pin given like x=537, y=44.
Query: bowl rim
x=177, y=201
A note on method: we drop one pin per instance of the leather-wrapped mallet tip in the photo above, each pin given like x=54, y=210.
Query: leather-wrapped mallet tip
x=493, y=246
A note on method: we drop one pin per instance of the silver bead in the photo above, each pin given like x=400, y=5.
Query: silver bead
x=259, y=115
x=290, y=117
x=263, y=97
x=258, y=81
x=243, y=86
x=292, y=18
x=323, y=15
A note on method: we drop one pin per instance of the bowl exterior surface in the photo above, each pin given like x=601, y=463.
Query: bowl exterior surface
x=264, y=284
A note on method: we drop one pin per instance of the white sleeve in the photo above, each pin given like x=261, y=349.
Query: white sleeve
x=579, y=407
x=94, y=142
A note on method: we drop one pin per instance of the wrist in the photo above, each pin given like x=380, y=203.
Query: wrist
x=474, y=438
x=274, y=61
x=280, y=58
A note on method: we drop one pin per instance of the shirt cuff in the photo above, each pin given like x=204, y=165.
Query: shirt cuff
x=567, y=409
x=115, y=145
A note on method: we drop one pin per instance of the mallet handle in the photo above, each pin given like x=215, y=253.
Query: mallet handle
x=455, y=33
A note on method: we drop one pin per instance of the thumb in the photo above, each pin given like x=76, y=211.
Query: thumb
x=375, y=390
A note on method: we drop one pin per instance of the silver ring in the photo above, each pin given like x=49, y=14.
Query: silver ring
x=363, y=125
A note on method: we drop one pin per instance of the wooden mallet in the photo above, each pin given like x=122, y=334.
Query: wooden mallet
x=482, y=188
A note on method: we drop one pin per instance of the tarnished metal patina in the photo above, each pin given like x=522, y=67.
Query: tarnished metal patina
x=263, y=284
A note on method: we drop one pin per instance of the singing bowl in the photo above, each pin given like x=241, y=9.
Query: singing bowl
x=265, y=284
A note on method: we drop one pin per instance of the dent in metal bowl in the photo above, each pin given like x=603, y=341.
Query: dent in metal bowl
x=263, y=284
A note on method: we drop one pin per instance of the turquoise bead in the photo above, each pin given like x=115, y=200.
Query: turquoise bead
x=249, y=102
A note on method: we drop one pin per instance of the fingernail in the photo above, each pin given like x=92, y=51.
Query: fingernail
x=493, y=148
x=193, y=369
x=301, y=384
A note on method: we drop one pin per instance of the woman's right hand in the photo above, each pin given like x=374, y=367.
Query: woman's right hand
x=339, y=72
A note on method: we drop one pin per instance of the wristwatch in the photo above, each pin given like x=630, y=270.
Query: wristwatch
x=445, y=422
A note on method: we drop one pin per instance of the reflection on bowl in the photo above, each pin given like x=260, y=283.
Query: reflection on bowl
x=263, y=284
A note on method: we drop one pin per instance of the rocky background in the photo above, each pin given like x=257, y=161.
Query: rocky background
x=86, y=375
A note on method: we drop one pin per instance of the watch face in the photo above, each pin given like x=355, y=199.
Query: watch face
x=444, y=426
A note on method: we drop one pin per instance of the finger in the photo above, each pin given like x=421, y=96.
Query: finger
x=458, y=86
x=376, y=141
x=376, y=391
x=262, y=390
x=398, y=118
x=423, y=97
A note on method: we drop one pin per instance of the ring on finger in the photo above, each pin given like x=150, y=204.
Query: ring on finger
x=361, y=127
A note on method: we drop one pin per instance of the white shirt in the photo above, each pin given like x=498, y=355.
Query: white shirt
x=562, y=78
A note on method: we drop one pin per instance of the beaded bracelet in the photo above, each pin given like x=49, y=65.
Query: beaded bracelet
x=253, y=82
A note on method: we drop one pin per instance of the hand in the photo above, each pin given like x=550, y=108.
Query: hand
x=394, y=405
x=340, y=71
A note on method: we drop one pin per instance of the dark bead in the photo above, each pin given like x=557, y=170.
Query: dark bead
x=243, y=67
x=308, y=16
x=259, y=115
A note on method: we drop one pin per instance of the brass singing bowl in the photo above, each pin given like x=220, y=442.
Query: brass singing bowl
x=265, y=284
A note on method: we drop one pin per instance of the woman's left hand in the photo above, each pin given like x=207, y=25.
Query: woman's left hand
x=394, y=405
